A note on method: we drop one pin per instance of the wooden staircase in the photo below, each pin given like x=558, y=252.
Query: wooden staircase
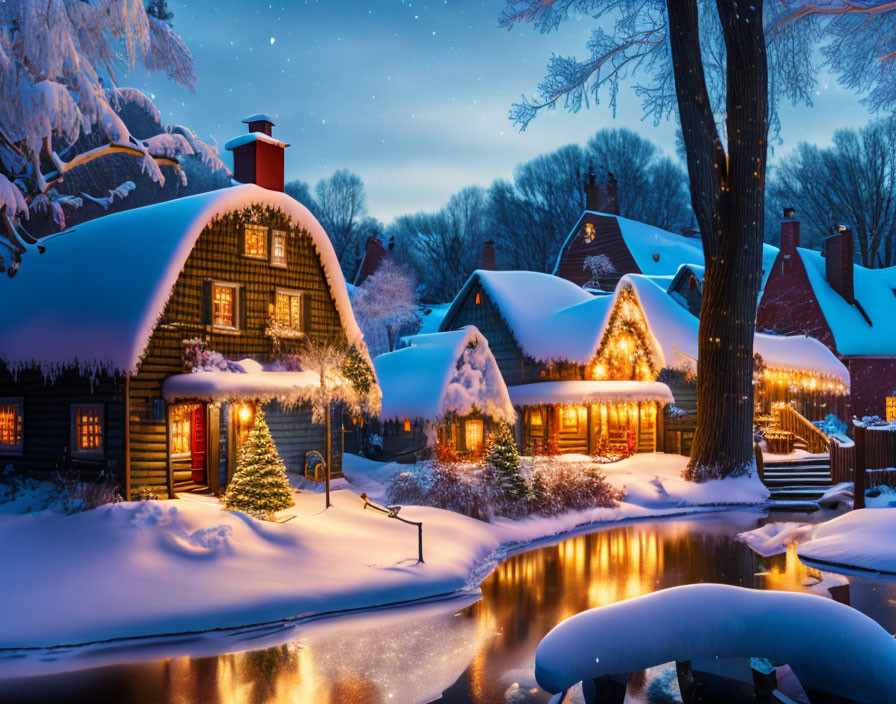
x=801, y=480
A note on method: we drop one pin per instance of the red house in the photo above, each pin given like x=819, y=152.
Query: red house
x=849, y=308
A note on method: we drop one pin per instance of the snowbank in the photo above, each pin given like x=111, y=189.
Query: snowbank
x=577, y=391
x=861, y=539
x=290, y=388
x=850, y=654
x=181, y=566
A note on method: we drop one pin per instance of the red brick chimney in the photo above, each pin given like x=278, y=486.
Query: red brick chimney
x=257, y=156
x=488, y=256
x=374, y=253
x=602, y=197
x=790, y=232
x=839, y=262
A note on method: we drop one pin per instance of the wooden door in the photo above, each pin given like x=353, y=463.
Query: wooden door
x=198, y=440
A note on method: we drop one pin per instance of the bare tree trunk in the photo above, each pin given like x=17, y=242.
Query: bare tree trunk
x=728, y=199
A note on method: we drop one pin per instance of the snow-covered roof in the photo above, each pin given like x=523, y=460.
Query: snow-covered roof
x=253, y=137
x=289, y=388
x=675, y=330
x=94, y=296
x=440, y=373
x=671, y=250
x=706, y=621
x=874, y=290
x=578, y=391
x=528, y=302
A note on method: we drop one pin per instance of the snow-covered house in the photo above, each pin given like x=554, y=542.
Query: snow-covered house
x=92, y=353
x=847, y=307
x=631, y=247
x=443, y=387
x=546, y=334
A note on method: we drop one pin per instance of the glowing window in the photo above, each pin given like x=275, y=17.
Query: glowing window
x=891, y=407
x=181, y=417
x=224, y=305
x=255, y=241
x=278, y=248
x=588, y=233
x=288, y=309
x=536, y=418
x=474, y=432
x=243, y=419
x=10, y=426
x=407, y=425
x=571, y=416
x=87, y=430
x=478, y=298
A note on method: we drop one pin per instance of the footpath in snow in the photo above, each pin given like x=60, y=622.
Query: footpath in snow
x=166, y=567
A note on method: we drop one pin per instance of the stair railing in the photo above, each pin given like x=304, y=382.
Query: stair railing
x=789, y=419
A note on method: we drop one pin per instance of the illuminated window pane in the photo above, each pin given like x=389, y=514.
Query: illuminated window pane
x=570, y=417
x=588, y=235
x=255, y=241
x=87, y=429
x=224, y=306
x=288, y=310
x=10, y=426
x=278, y=248
x=536, y=419
x=407, y=425
x=474, y=435
x=181, y=417
x=243, y=419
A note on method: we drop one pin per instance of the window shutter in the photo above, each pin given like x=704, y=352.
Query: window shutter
x=306, y=313
x=206, y=311
x=241, y=304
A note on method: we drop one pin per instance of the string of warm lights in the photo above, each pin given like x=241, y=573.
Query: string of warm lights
x=803, y=380
x=624, y=351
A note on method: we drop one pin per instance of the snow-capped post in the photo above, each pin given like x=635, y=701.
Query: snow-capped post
x=859, y=475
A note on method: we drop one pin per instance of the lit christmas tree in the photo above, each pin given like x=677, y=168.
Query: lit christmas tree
x=259, y=486
x=504, y=458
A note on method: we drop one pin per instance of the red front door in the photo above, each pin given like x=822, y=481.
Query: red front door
x=198, y=440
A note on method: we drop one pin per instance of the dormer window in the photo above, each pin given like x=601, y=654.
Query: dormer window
x=478, y=299
x=588, y=233
x=278, y=248
x=255, y=241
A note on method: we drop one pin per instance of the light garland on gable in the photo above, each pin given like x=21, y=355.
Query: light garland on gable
x=624, y=350
x=797, y=380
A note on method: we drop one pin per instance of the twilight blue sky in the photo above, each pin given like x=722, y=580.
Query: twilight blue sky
x=412, y=96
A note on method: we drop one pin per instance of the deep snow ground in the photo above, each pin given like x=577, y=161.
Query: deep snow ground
x=164, y=567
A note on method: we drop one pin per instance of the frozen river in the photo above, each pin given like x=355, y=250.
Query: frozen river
x=468, y=649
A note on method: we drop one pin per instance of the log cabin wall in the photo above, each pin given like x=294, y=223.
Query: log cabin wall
x=217, y=256
x=47, y=422
x=608, y=240
x=295, y=435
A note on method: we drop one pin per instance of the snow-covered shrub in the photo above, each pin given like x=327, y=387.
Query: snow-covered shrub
x=197, y=357
x=61, y=493
x=478, y=491
x=445, y=454
x=831, y=425
x=559, y=487
x=90, y=493
x=450, y=486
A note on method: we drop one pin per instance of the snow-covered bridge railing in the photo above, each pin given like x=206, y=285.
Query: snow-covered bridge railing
x=830, y=647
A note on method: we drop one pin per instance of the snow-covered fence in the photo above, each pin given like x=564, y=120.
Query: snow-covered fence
x=830, y=647
x=874, y=450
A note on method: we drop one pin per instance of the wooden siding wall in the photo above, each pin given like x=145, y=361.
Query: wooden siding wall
x=294, y=434
x=607, y=240
x=47, y=421
x=217, y=256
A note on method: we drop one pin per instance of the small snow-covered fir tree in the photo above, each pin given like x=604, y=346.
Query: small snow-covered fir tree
x=259, y=486
x=502, y=455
